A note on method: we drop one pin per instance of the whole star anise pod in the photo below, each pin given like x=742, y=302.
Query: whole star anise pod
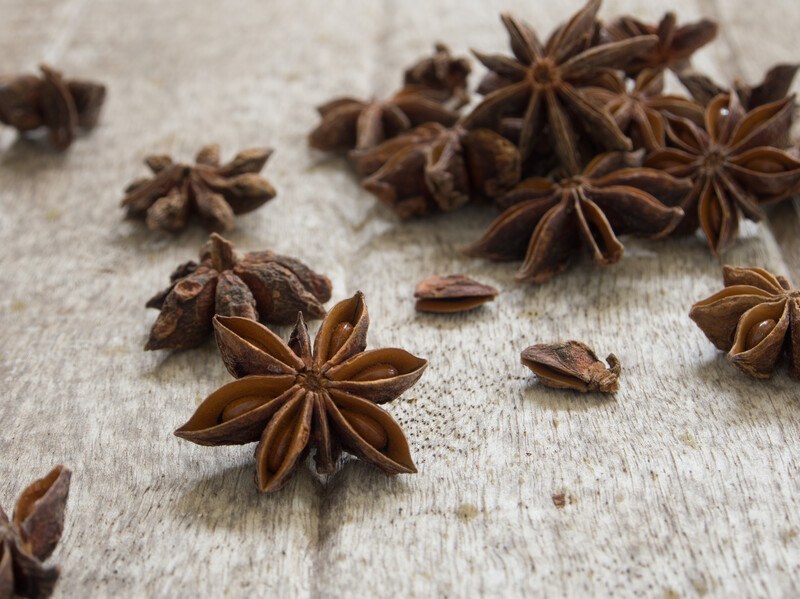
x=547, y=222
x=438, y=169
x=63, y=106
x=572, y=365
x=441, y=76
x=291, y=399
x=212, y=191
x=755, y=318
x=775, y=86
x=349, y=124
x=735, y=163
x=30, y=537
x=675, y=44
x=639, y=112
x=257, y=285
x=545, y=86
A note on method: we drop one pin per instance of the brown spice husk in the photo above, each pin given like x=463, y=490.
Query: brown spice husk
x=451, y=294
x=572, y=365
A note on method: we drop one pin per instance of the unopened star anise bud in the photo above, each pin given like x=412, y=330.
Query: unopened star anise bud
x=572, y=365
x=257, y=285
x=454, y=293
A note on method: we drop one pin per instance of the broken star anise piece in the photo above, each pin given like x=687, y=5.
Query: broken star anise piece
x=544, y=87
x=547, y=222
x=441, y=77
x=214, y=192
x=63, y=106
x=675, y=44
x=291, y=399
x=736, y=164
x=639, y=111
x=437, y=169
x=572, y=365
x=349, y=124
x=775, y=86
x=755, y=318
x=259, y=285
x=450, y=294
x=30, y=537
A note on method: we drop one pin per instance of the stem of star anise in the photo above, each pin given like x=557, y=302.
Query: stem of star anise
x=222, y=254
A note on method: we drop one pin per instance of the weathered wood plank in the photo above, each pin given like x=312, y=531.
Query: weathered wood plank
x=685, y=484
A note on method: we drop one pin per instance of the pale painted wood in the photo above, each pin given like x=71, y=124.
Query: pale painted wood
x=686, y=484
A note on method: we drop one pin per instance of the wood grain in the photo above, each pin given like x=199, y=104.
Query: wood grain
x=684, y=485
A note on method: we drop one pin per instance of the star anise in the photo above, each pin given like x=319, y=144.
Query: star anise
x=546, y=222
x=214, y=192
x=291, y=399
x=349, y=124
x=675, y=44
x=30, y=537
x=755, y=318
x=63, y=106
x=639, y=112
x=441, y=77
x=257, y=285
x=775, y=86
x=545, y=86
x=735, y=163
x=436, y=169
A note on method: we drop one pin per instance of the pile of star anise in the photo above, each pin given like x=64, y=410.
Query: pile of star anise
x=575, y=141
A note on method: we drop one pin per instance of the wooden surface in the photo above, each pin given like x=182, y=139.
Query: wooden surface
x=684, y=485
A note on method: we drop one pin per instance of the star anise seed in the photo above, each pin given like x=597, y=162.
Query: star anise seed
x=291, y=399
x=755, y=318
x=28, y=102
x=572, y=365
x=437, y=169
x=547, y=222
x=30, y=537
x=544, y=86
x=736, y=164
x=258, y=285
x=214, y=192
x=450, y=294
